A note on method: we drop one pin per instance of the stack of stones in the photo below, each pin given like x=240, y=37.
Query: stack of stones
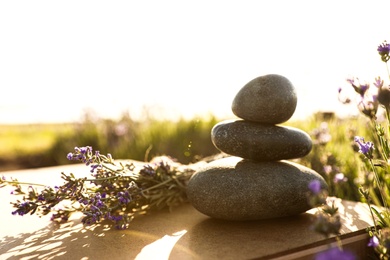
x=256, y=180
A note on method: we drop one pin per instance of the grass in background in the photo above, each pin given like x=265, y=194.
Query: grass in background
x=19, y=144
x=28, y=146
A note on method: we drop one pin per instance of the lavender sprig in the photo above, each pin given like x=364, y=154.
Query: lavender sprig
x=115, y=192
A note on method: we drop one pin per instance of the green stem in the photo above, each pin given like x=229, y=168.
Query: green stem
x=339, y=242
x=109, y=178
x=156, y=186
x=179, y=183
x=378, y=183
x=102, y=179
x=379, y=138
x=388, y=117
x=372, y=215
x=108, y=168
x=24, y=183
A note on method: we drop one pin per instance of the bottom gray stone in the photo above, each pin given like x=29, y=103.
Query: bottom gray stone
x=233, y=188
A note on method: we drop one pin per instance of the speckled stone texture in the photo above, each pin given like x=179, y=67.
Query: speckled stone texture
x=233, y=188
x=260, y=142
x=269, y=99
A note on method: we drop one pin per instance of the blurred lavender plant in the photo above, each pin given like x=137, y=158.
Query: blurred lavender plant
x=375, y=155
x=325, y=161
x=115, y=192
x=327, y=222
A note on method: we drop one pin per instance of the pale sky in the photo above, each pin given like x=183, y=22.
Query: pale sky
x=182, y=58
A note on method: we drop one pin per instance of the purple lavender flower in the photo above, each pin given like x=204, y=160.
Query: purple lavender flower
x=374, y=242
x=364, y=88
x=147, y=171
x=94, y=214
x=368, y=106
x=115, y=218
x=383, y=51
x=124, y=197
x=69, y=156
x=361, y=89
x=384, y=48
x=83, y=201
x=23, y=208
x=378, y=82
x=94, y=167
x=365, y=148
x=120, y=222
x=315, y=186
x=81, y=154
x=335, y=253
x=41, y=197
x=85, y=149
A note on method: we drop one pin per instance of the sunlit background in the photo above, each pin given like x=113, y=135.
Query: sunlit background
x=59, y=59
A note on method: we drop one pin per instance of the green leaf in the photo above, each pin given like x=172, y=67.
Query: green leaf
x=381, y=221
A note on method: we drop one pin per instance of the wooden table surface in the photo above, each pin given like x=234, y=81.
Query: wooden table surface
x=183, y=233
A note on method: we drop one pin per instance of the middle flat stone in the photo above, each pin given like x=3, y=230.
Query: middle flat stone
x=260, y=142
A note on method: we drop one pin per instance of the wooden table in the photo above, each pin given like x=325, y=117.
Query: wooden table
x=184, y=233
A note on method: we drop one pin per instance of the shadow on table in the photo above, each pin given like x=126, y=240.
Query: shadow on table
x=74, y=241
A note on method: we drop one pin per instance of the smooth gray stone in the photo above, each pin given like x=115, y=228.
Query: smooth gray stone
x=269, y=99
x=237, y=189
x=260, y=142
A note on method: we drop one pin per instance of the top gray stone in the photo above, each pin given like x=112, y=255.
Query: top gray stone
x=269, y=99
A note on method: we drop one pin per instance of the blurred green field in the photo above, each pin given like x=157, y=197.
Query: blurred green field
x=39, y=145
x=20, y=144
x=16, y=139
